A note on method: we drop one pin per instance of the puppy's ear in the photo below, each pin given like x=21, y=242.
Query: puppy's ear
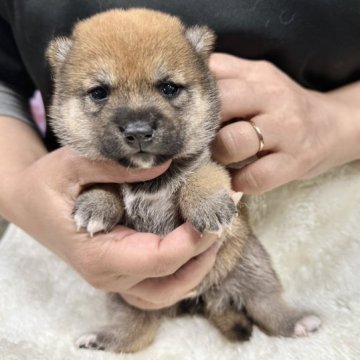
x=202, y=39
x=58, y=51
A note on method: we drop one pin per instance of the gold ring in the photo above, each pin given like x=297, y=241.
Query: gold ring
x=259, y=135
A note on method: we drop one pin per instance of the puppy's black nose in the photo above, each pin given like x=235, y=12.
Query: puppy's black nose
x=138, y=133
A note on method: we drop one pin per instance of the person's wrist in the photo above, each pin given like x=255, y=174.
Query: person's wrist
x=346, y=114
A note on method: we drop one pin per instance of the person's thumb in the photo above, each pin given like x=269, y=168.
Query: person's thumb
x=83, y=171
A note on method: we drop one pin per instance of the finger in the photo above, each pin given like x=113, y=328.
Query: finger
x=225, y=66
x=239, y=141
x=241, y=99
x=81, y=170
x=235, y=142
x=128, y=252
x=147, y=305
x=266, y=173
x=165, y=291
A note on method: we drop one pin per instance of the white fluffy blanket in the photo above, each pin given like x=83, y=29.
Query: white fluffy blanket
x=312, y=230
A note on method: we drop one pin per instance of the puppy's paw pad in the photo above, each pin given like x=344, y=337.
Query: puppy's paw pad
x=90, y=341
x=307, y=325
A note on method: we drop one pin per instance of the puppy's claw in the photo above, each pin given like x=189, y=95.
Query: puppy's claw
x=214, y=214
x=236, y=196
x=95, y=226
x=98, y=209
x=79, y=222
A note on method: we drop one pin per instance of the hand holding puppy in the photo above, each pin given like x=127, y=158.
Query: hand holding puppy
x=151, y=272
x=305, y=132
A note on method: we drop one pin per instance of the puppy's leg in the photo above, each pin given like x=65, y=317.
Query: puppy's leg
x=275, y=317
x=99, y=208
x=261, y=294
x=205, y=200
x=131, y=329
x=233, y=324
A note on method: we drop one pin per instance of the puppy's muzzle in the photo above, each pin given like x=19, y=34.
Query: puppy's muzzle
x=138, y=126
x=138, y=134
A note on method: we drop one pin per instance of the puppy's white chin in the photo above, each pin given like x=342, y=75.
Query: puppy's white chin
x=144, y=161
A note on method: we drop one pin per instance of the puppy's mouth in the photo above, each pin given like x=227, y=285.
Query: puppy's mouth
x=137, y=147
x=144, y=160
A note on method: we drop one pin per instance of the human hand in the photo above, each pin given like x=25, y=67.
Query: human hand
x=149, y=271
x=305, y=132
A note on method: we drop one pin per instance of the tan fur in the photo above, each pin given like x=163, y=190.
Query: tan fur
x=145, y=56
x=137, y=331
x=207, y=192
x=129, y=53
x=208, y=180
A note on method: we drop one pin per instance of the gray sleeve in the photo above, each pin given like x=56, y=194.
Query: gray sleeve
x=14, y=105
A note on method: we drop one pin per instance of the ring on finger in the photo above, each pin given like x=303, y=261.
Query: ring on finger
x=259, y=135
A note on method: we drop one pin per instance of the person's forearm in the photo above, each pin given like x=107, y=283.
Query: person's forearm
x=20, y=146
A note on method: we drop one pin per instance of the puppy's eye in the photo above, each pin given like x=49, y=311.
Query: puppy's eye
x=169, y=89
x=99, y=93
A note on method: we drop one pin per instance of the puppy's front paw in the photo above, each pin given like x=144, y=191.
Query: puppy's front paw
x=98, y=209
x=212, y=214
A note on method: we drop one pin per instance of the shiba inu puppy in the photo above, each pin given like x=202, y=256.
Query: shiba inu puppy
x=134, y=86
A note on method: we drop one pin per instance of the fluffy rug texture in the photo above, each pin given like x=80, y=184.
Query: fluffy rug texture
x=311, y=229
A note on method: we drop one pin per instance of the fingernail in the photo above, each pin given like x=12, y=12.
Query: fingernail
x=190, y=295
x=217, y=233
x=191, y=227
x=217, y=245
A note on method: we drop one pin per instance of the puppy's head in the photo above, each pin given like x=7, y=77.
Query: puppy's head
x=133, y=86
